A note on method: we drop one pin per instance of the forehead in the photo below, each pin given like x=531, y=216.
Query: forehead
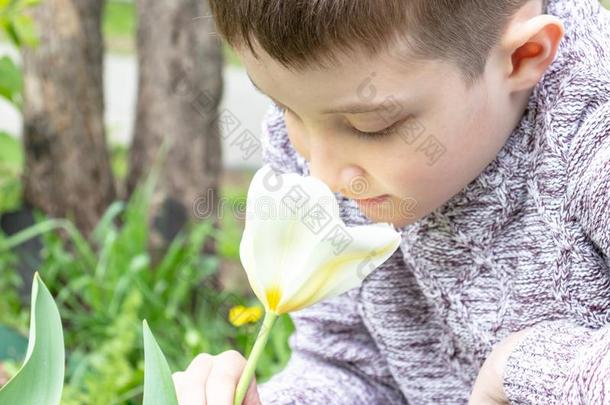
x=357, y=78
x=394, y=58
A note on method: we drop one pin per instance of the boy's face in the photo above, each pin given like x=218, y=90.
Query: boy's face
x=442, y=134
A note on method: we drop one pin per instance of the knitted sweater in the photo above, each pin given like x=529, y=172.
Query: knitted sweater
x=525, y=244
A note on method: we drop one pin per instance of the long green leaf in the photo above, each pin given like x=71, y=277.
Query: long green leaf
x=158, y=385
x=40, y=379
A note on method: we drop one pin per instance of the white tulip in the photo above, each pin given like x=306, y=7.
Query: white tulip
x=297, y=251
x=295, y=248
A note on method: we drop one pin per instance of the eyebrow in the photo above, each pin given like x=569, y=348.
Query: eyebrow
x=353, y=108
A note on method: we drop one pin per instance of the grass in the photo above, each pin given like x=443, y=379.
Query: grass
x=119, y=160
x=119, y=26
x=105, y=286
x=119, y=18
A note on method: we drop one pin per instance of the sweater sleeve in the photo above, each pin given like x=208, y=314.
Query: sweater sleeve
x=560, y=361
x=334, y=359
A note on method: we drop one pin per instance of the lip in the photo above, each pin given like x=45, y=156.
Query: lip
x=373, y=201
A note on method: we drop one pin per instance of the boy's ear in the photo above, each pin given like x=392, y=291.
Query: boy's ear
x=530, y=47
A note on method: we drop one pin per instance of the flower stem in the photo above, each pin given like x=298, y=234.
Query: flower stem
x=257, y=350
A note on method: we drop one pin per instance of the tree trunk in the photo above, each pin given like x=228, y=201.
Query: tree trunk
x=67, y=171
x=179, y=89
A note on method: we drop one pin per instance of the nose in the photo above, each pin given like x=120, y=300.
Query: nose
x=329, y=163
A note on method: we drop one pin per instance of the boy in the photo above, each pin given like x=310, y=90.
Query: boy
x=480, y=129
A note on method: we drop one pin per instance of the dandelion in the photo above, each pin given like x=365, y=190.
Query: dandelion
x=240, y=315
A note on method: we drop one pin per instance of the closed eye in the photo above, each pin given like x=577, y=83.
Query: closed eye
x=366, y=135
x=376, y=135
x=379, y=134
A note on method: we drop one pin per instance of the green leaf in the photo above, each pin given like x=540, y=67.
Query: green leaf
x=25, y=30
x=11, y=32
x=11, y=153
x=158, y=385
x=29, y=3
x=40, y=379
x=14, y=345
x=10, y=81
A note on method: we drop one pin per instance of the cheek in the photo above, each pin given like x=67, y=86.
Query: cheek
x=397, y=173
x=405, y=172
x=296, y=136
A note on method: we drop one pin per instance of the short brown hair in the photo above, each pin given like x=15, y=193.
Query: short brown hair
x=301, y=33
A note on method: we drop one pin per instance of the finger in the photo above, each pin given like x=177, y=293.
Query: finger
x=224, y=376
x=190, y=384
x=252, y=397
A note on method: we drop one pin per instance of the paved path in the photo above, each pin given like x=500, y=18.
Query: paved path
x=240, y=98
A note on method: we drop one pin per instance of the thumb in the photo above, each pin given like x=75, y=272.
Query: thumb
x=252, y=397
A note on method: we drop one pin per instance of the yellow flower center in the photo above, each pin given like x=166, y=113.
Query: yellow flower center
x=274, y=295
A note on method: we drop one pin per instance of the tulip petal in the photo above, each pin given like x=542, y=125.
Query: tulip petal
x=283, y=214
x=248, y=260
x=294, y=246
x=327, y=274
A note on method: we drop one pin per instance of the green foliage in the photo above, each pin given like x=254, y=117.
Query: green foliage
x=233, y=206
x=119, y=156
x=158, y=385
x=105, y=286
x=16, y=24
x=119, y=18
x=10, y=282
x=18, y=27
x=40, y=379
x=118, y=25
x=10, y=81
x=11, y=167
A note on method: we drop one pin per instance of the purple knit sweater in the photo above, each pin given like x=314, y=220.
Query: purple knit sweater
x=527, y=243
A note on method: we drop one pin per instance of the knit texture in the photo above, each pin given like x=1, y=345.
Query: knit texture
x=525, y=244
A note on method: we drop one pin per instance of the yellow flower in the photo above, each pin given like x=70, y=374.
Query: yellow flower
x=295, y=248
x=240, y=315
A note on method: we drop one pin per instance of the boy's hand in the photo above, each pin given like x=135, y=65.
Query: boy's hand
x=212, y=380
x=488, y=388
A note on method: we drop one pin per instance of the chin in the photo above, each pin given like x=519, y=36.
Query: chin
x=399, y=214
x=397, y=222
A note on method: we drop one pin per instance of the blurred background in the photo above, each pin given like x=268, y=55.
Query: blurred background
x=128, y=136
